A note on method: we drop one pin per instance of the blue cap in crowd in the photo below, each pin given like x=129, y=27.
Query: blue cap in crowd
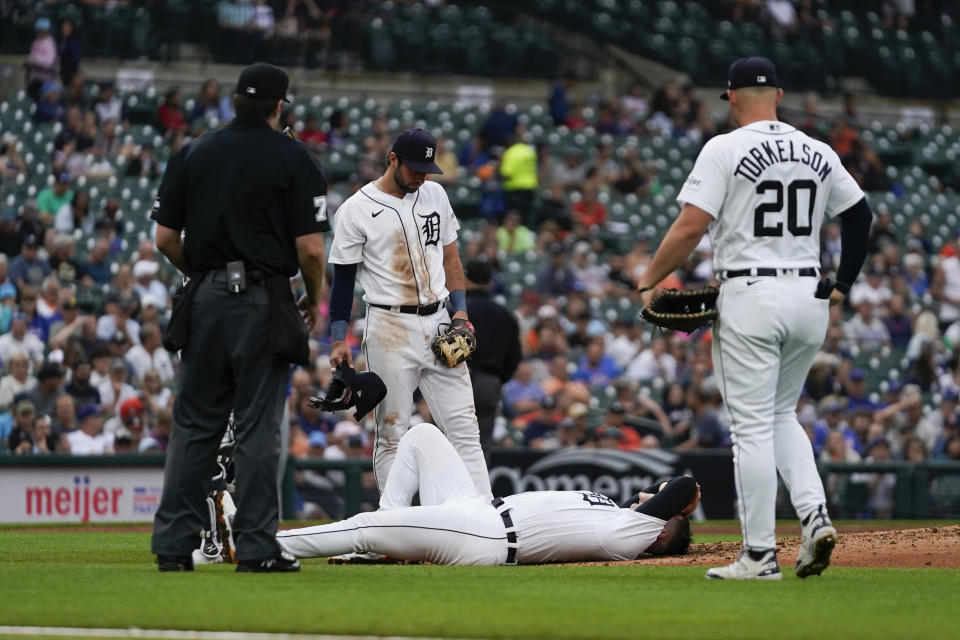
x=857, y=374
x=42, y=24
x=7, y=290
x=86, y=411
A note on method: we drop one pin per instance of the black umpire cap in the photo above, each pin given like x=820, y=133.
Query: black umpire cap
x=418, y=150
x=750, y=72
x=265, y=81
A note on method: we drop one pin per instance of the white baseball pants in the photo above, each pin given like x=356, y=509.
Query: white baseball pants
x=454, y=525
x=764, y=342
x=397, y=348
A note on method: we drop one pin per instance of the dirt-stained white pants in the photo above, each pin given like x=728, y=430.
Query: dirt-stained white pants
x=454, y=525
x=769, y=330
x=397, y=348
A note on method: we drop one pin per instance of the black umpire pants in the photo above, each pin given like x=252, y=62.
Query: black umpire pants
x=487, y=389
x=227, y=364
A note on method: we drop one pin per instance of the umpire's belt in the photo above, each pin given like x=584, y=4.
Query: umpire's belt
x=806, y=272
x=419, y=309
x=254, y=276
x=504, y=510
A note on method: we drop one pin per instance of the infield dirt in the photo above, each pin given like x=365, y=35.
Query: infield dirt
x=922, y=547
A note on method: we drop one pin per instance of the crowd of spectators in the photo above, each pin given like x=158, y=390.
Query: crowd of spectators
x=97, y=380
x=793, y=18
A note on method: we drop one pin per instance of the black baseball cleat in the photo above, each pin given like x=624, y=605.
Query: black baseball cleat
x=286, y=563
x=174, y=563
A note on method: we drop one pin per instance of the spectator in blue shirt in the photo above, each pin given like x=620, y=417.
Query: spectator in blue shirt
x=556, y=278
x=857, y=395
x=543, y=428
x=36, y=324
x=522, y=394
x=97, y=265
x=559, y=104
x=28, y=268
x=898, y=323
x=596, y=368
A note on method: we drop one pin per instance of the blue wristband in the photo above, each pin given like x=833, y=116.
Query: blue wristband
x=338, y=330
x=458, y=300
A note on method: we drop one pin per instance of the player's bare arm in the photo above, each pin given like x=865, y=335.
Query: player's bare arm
x=679, y=242
x=171, y=245
x=453, y=270
x=310, y=252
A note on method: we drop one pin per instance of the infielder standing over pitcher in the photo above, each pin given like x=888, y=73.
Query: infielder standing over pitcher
x=398, y=236
x=763, y=191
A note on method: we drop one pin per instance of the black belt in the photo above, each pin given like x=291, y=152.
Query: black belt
x=255, y=276
x=806, y=272
x=511, y=531
x=419, y=309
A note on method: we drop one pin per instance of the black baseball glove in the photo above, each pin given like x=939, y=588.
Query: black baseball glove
x=339, y=395
x=456, y=344
x=351, y=389
x=682, y=310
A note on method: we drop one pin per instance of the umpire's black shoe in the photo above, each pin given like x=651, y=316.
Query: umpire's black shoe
x=175, y=563
x=286, y=563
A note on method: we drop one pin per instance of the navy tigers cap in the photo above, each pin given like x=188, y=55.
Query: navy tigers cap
x=418, y=150
x=750, y=72
x=262, y=80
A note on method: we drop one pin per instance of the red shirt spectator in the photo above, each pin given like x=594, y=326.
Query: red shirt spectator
x=589, y=211
x=172, y=117
x=311, y=134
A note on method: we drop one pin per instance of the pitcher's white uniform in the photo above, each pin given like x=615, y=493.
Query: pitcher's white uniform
x=399, y=243
x=457, y=526
x=768, y=187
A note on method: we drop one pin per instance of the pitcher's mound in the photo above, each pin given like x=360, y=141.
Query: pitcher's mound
x=926, y=547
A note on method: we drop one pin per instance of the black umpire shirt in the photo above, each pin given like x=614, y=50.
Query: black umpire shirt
x=243, y=192
x=498, y=336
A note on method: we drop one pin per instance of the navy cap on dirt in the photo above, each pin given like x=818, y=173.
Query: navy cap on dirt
x=418, y=150
x=262, y=80
x=750, y=72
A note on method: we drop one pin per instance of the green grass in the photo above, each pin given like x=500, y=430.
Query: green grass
x=92, y=579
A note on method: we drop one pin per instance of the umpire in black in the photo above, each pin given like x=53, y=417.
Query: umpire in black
x=252, y=205
x=498, y=346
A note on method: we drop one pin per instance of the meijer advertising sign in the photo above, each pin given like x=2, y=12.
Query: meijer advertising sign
x=79, y=494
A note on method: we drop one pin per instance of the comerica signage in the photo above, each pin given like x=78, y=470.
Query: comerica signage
x=613, y=473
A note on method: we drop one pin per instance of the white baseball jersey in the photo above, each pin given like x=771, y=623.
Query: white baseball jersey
x=455, y=525
x=571, y=526
x=768, y=187
x=398, y=243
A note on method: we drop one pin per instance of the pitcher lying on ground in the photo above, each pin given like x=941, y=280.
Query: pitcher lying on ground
x=456, y=526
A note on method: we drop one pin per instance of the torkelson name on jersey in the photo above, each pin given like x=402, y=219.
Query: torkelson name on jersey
x=766, y=154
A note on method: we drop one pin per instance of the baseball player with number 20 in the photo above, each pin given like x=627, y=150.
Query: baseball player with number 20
x=397, y=236
x=762, y=191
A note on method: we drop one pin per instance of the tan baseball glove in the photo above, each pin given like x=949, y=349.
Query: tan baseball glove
x=456, y=344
